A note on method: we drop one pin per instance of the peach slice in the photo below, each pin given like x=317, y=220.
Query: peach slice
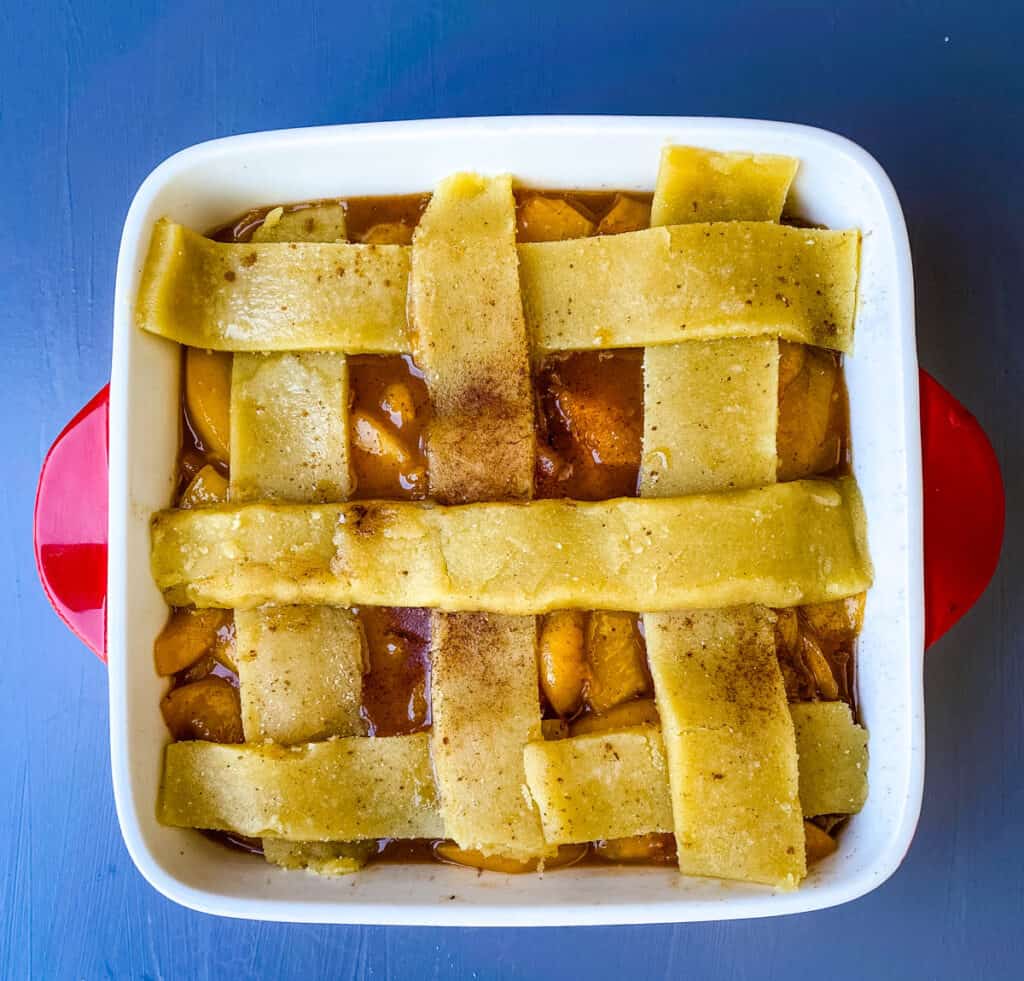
x=625, y=215
x=808, y=442
x=815, y=659
x=818, y=844
x=543, y=219
x=188, y=635
x=609, y=433
x=653, y=848
x=207, y=709
x=372, y=437
x=562, y=660
x=207, y=487
x=639, y=712
x=791, y=362
x=397, y=404
x=618, y=665
x=838, y=621
x=448, y=851
x=208, y=399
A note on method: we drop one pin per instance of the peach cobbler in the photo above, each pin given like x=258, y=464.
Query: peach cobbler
x=515, y=528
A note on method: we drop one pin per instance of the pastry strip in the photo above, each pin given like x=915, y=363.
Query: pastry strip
x=659, y=286
x=289, y=427
x=710, y=416
x=729, y=740
x=300, y=670
x=601, y=785
x=692, y=282
x=698, y=185
x=782, y=545
x=312, y=223
x=300, y=667
x=295, y=296
x=710, y=423
x=348, y=789
x=470, y=341
x=322, y=857
x=485, y=708
x=833, y=758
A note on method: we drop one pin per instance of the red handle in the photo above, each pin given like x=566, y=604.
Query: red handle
x=964, y=511
x=964, y=508
x=70, y=525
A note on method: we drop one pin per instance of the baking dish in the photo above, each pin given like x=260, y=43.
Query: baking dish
x=838, y=185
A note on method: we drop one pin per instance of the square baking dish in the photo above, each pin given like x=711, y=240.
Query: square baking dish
x=838, y=185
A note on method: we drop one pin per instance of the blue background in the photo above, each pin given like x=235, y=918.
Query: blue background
x=92, y=97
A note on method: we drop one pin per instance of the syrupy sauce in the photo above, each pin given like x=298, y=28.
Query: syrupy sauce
x=396, y=688
x=839, y=422
x=361, y=215
x=204, y=668
x=589, y=413
x=406, y=850
x=241, y=843
x=589, y=424
x=373, y=379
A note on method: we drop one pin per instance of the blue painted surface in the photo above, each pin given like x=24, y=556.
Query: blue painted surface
x=92, y=96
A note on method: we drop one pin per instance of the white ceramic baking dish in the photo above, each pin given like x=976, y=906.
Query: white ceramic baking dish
x=838, y=185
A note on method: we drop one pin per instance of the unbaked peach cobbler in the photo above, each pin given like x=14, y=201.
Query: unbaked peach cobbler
x=515, y=528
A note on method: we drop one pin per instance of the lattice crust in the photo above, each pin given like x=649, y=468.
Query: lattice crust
x=300, y=670
x=342, y=789
x=470, y=341
x=833, y=758
x=660, y=286
x=782, y=545
x=722, y=771
x=601, y=785
x=289, y=427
